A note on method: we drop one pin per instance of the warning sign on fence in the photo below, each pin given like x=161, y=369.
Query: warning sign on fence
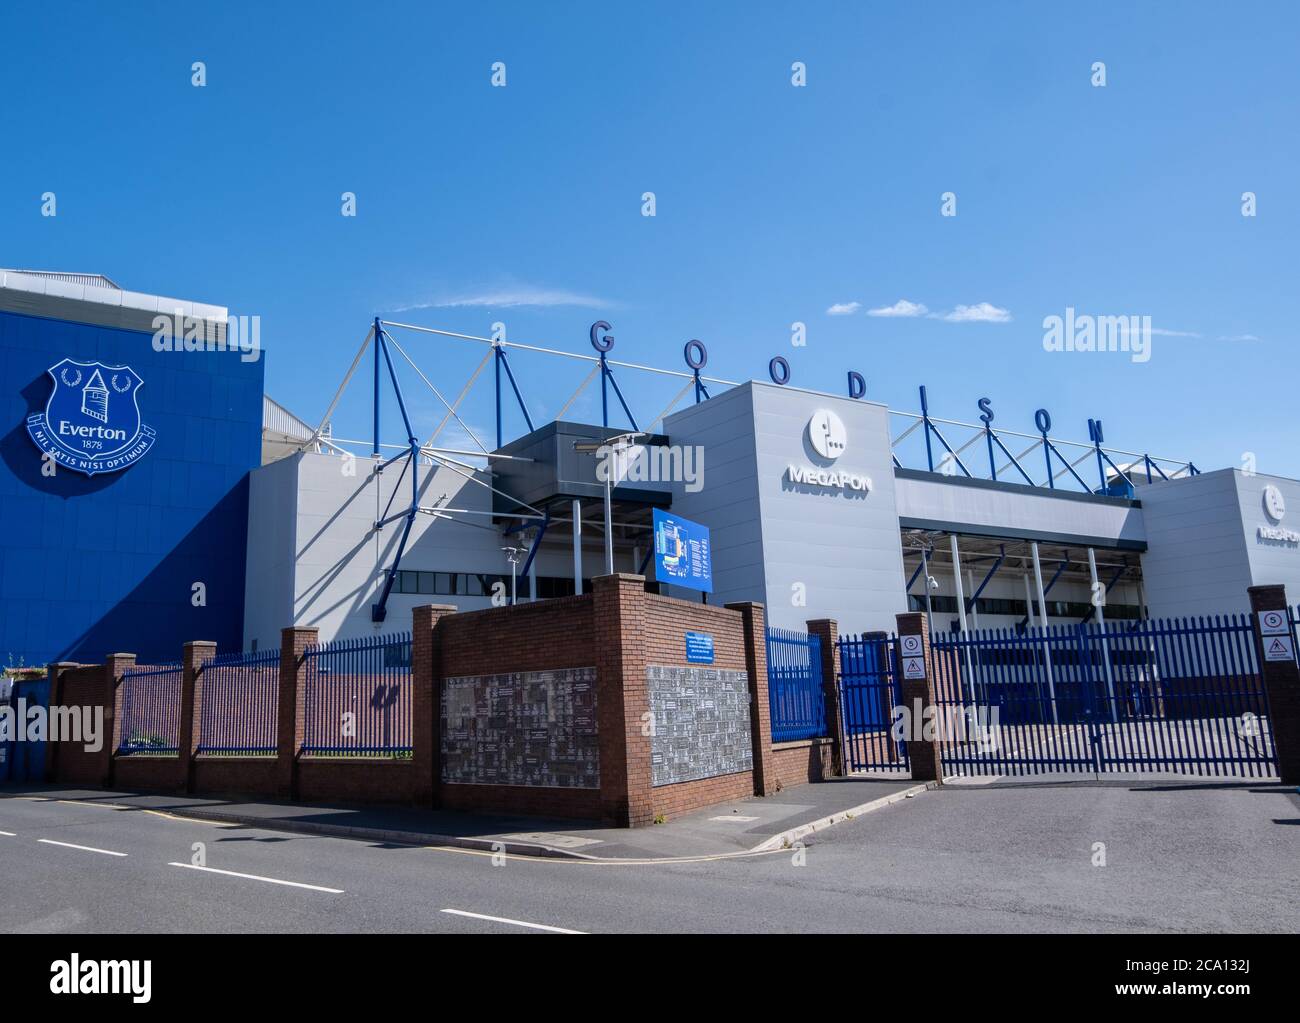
x=1278, y=648
x=913, y=667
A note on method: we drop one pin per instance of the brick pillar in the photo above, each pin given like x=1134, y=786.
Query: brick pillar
x=291, y=722
x=622, y=698
x=1282, y=684
x=828, y=630
x=918, y=695
x=426, y=700
x=754, y=626
x=54, y=673
x=114, y=666
x=193, y=656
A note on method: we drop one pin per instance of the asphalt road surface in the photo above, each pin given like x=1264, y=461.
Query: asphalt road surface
x=1182, y=855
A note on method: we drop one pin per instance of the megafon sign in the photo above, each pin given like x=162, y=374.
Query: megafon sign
x=828, y=439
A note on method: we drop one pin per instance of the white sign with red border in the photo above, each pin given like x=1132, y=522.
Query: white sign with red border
x=913, y=667
x=1274, y=623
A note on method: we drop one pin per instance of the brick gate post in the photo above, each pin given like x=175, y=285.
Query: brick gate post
x=291, y=723
x=622, y=698
x=916, y=669
x=54, y=673
x=195, y=654
x=754, y=626
x=426, y=701
x=1281, y=680
x=828, y=631
x=114, y=667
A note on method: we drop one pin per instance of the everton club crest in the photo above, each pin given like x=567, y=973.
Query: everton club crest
x=92, y=422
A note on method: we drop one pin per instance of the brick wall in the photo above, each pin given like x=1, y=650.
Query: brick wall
x=618, y=629
x=803, y=761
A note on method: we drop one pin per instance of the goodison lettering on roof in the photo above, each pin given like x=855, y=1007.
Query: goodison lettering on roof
x=837, y=478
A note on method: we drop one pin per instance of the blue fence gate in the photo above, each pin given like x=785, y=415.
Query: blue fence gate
x=869, y=691
x=794, y=685
x=358, y=697
x=1178, y=695
x=24, y=761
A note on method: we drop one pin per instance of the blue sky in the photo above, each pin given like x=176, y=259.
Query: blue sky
x=774, y=203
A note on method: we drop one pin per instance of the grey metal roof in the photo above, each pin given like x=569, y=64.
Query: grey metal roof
x=94, y=280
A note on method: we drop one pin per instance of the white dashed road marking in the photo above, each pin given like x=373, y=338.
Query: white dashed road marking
x=258, y=877
x=513, y=923
x=83, y=848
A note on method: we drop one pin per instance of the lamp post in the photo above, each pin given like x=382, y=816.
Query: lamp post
x=512, y=556
x=617, y=445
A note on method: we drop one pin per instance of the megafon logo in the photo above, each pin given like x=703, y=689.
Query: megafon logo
x=91, y=422
x=828, y=439
x=132, y=977
x=827, y=435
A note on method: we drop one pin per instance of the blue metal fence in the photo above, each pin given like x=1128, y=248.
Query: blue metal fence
x=869, y=692
x=241, y=704
x=357, y=697
x=1181, y=695
x=794, y=685
x=151, y=710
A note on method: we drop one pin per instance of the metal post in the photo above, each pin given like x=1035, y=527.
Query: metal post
x=609, y=527
x=1042, y=618
x=378, y=342
x=577, y=546
x=1098, y=600
x=925, y=419
x=925, y=571
x=604, y=395
x=961, y=611
x=496, y=360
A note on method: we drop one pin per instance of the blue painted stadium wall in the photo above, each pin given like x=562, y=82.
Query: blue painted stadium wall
x=107, y=563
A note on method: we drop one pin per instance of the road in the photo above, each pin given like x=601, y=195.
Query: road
x=1003, y=857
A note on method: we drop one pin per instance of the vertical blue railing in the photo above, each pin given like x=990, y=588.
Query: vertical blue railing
x=357, y=697
x=794, y=685
x=241, y=703
x=1178, y=694
x=151, y=710
x=869, y=694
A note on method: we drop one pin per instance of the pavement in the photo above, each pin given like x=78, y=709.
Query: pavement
x=1136, y=856
x=736, y=828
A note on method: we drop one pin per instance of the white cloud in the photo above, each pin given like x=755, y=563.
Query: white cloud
x=844, y=309
x=900, y=308
x=1239, y=337
x=512, y=296
x=1162, y=332
x=981, y=312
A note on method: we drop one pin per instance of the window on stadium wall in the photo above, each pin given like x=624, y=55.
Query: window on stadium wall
x=1065, y=609
x=479, y=584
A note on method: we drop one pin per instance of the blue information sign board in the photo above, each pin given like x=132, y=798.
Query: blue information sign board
x=699, y=648
x=682, y=553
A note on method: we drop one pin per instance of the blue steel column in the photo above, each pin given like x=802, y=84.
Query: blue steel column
x=496, y=365
x=925, y=419
x=378, y=340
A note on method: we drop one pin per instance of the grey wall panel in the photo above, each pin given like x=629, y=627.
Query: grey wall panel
x=535, y=728
x=269, y=575
x=1272, y=560
x=1031, y=512
x=728, y=503
x=1197, y=562
x=701, y=720
x=836, y=550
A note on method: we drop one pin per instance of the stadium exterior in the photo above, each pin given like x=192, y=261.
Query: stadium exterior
x=283, y=526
